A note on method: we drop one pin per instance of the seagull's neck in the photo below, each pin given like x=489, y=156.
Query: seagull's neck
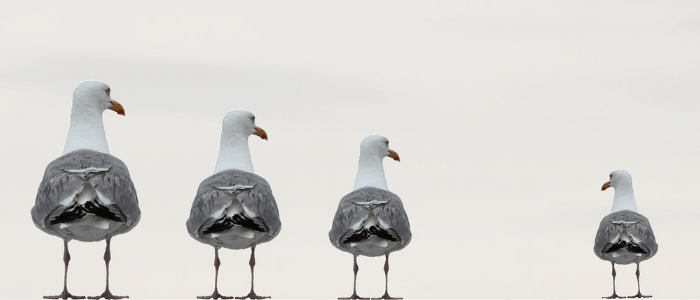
x=624, y=199
x=86, y=130
x=370, y=173
x=234, y=153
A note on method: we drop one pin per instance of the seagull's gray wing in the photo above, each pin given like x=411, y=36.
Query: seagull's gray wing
x=66, y=176
x=356, y=206
x=217, y=192
x=394, y=214
x=347, y=218
x=637, y=227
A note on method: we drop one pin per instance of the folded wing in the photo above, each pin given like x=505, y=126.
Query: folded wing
x=233, y=198
x=370, y=213
x=82, y=184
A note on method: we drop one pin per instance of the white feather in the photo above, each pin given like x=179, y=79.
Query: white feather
x=235, y=187
x=87, y=170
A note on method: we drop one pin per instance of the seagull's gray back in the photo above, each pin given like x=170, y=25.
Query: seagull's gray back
x=58, y=184
x=637, y=226
x=352, y=210
x=210, y=199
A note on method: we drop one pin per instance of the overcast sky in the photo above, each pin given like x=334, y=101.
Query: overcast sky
x=508, y=117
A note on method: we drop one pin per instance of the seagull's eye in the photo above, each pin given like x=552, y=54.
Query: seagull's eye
x=252, y=119
x=108, y=90
x=387, y=143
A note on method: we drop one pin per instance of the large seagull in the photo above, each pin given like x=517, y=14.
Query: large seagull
x=624, y=236
x=87, y=194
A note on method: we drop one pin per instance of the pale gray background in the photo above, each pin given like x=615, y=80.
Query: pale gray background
x=508, y=117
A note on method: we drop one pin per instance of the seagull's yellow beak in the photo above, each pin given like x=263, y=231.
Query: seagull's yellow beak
x=261, y=133
x=605, y=186
x=117, y=107
x=394, y=155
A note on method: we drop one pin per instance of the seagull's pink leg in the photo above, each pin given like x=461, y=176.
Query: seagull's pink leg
x=107, y=294
x=65, y=294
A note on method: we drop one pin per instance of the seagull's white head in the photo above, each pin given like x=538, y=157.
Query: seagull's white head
x=93, y=94
x=618, y=179
x=242, y=122
x=377, y=145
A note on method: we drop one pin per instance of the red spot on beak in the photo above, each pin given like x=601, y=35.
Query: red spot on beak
x=261, y=133
x=394, y=155
x=117, y=107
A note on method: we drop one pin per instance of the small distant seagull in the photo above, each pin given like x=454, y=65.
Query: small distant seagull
x=371, y=220
x=624, y=236
x=234, y=208
x=87, y=194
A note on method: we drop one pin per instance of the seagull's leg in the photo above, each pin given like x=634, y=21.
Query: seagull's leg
x=65, y=294
x=386, y=284
x=639, y=293
x=107, y=294
x=614, y=295
x=252, y=294
x=354, y=295
x=216, y=294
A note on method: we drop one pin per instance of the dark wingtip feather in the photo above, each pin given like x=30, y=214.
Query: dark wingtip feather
x=366, y=233
x=617, y=246
x=100, y=210
x=72, y=213
x=631, y=247
x=226, y=223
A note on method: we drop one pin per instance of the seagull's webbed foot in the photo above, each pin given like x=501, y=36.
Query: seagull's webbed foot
x=215, y=295
x=387, y=297
x=64, y=295
x=354, y=296
x=108, y=295
x=252, y=295
x=614, y=296
x=639, y=295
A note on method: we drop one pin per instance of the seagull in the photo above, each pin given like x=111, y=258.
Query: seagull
x=234, y=208
x=624, y=236
x=87, y=194
x=371, y=220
